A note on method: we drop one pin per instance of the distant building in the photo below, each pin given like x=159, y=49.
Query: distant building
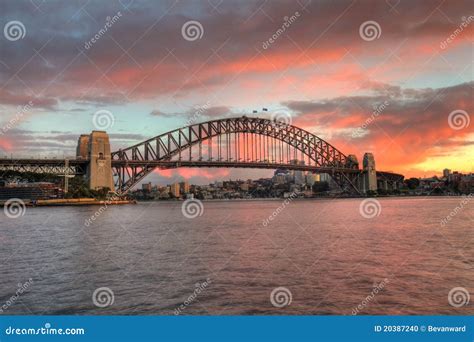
x=454, y=177
x=446, y=173
x=279, y=178
x=325, y=177
x=174, y=189
x=146, y=187
x=311, y=179
x=298, y=176
x=244, y=186
x=31, y=191
x=184, y=187
x=280, y=171
x=466, y=185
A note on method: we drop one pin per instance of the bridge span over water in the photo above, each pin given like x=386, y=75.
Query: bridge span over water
x=241, y=142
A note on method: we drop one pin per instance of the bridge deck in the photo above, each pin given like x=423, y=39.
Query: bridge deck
x=80, y=165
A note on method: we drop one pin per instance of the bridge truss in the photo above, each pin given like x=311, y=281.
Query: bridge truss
x=46, y=166
x=234, y=142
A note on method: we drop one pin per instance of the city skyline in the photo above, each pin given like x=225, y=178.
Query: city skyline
x=391, y=95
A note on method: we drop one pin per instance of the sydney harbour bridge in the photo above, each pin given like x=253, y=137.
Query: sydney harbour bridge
x=243, y=142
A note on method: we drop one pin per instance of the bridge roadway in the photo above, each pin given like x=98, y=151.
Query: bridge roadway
x=79, y=166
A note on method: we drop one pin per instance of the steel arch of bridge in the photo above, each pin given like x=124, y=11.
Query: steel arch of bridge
x=132, y=164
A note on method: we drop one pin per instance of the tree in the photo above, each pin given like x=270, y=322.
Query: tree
x=371, y=193
x=320, y=187
x=412, y=183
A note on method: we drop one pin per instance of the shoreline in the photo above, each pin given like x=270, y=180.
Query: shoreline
x=71, y=202
x=305, y=199
x=92, y=201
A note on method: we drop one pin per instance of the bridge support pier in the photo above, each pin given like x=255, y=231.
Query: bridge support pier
x=369, y=178
x=99, y=171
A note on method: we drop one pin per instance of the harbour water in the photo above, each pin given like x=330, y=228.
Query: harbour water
x=326, y=256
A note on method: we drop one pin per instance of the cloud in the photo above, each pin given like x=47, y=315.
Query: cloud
x=410, y=126
x=10, y=99
x=29, y=142
x=143, y=55
x=160, y=113
x=204, y=111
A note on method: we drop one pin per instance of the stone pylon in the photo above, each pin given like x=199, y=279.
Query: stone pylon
x=369, y=178
x=99, y=170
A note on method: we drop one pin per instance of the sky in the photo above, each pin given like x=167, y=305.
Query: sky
x=393, y=77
